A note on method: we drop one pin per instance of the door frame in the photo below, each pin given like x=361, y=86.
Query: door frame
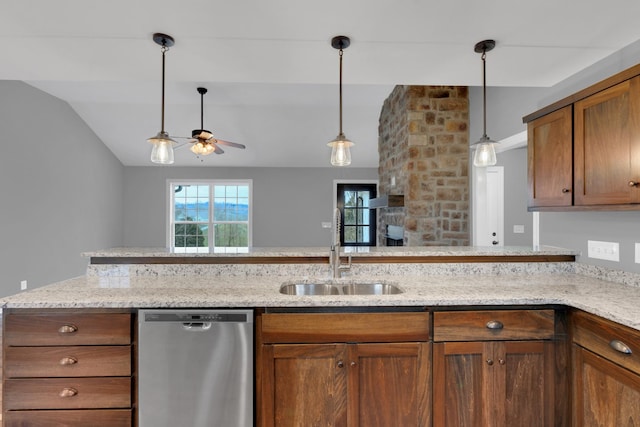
x=352, y=181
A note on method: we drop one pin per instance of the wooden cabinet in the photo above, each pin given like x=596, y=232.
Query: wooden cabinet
x=584, y=150
x=550, y=159
x=67, y=368
x=607, y=146
x=325, y=377
x=493, y=368
x=606, y=360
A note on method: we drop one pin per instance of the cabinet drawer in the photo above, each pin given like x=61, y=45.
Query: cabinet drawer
x=74, y=418
x=611, y=340
x=85, y=361
x=67, y=393
x=67, y=329
x=344, y=327
x=490, y=325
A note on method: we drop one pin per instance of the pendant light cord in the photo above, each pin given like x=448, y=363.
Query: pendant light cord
x=484, y=94
x=340, y=91
x=164, y=50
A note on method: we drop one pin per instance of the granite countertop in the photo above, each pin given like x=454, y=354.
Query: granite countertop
x=614, y=301
x=388, y=251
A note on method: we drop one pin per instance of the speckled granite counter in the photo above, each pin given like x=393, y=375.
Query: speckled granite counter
x=610, y=294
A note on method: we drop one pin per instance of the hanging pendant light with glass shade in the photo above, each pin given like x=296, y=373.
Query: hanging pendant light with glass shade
x=340, y=146
x=162, y=152
x=485, y=154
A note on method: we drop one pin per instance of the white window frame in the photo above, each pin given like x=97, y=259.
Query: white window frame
x=171, y=183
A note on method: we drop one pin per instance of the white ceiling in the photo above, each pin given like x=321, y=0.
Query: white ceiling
x=271, y=72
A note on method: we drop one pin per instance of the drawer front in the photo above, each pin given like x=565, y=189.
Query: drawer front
x=67, y=393
x=344, y=327
x=77, y=418
x=491, y=325
x=85, y=361
x=611, y=340
x=67, y=329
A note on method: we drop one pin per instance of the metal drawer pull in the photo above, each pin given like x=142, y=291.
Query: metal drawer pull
x=340, y=364
x=490, y=362
x=618, y=345
x=69, y=360
x=68, y=329
x=494, y=324
x=68, y=392
x=633, y=183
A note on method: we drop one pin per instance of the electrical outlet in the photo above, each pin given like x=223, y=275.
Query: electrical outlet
x=609, y=251
x=325, y=224
x=518, y=229
x=23, y=285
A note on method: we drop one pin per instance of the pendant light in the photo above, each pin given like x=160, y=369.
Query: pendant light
x=162, y=151
x=340, y=146
x=485, y=154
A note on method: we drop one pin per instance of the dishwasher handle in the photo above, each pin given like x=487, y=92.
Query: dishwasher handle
x=196, y=326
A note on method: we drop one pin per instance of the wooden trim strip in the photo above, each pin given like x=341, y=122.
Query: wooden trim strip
x=427, y=259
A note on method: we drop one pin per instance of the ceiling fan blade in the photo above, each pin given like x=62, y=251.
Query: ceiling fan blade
x=218, y=150
x=230, y=144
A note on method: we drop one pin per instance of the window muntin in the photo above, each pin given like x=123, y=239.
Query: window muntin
x=210, y=216
x=358, y=220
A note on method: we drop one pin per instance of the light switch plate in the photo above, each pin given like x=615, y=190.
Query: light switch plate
x=637, y=253
x=609, y=251
x=518, y=229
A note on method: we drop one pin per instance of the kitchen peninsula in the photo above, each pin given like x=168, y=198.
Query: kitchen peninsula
x=527, y=298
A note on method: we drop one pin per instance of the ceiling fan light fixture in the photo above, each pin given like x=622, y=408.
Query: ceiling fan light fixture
x=485, y=152
x=162, y=152
x=202, y=148
x=340, y=146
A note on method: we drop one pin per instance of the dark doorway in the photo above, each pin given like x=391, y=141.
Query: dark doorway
x=359, y=225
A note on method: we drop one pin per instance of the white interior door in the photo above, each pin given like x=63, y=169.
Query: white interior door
x=488, y=206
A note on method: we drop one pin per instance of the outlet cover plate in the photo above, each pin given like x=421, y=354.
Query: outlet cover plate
x=609, y=251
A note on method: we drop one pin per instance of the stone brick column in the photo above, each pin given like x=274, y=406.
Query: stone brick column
x=424, y=149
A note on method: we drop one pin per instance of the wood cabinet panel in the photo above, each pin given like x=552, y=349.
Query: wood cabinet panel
x=67, y=393
x=481, y=325
x=605, y=394
x=601, y=336
x=53, y=329
x=79, y=361
x=606, y=146
x=62, y=418
x=550, y=159
x=344, y=327
x=493, y=383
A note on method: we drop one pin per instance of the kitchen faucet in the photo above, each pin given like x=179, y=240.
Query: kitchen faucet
x=334, y=253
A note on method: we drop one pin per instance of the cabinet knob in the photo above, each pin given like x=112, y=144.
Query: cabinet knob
x=502, y=361
x=69, y=360
x=353, y=364
x=494, y=325
x=340, y=364
x=619, y=346
x=490, y=362
x=68, y=392
x=633, y=183
x=68, y=329
x=566, y=190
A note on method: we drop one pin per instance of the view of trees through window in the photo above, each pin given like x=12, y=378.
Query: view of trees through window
x=210, y=215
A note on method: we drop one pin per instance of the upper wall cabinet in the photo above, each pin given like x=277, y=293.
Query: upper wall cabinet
x=584, y=151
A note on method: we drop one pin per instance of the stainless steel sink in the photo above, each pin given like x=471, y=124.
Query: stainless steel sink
x=309, y=289
x=370, y=289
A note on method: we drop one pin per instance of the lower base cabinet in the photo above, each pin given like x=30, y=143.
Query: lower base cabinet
x=346, y=384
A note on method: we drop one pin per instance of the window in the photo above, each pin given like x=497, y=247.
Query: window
x=210, y=216
x=358, y=221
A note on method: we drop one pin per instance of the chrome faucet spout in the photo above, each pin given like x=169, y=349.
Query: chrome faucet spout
x=334, y=252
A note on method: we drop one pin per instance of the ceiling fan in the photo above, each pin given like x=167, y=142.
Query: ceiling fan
x=203, y=141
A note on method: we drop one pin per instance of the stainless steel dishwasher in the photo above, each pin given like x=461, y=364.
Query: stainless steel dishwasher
x=195, y=368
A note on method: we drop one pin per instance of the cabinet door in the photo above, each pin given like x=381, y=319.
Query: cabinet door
x=550, y=159
x=493, y=383
x=389, y=385
x=304, y=385
x=605, y=394
x=607, y=146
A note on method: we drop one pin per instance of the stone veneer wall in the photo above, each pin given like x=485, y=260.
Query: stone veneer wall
x=424, y=147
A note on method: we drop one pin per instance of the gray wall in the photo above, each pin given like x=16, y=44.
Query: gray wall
x=515, y=197
x=62, y=189
x=289, y=204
